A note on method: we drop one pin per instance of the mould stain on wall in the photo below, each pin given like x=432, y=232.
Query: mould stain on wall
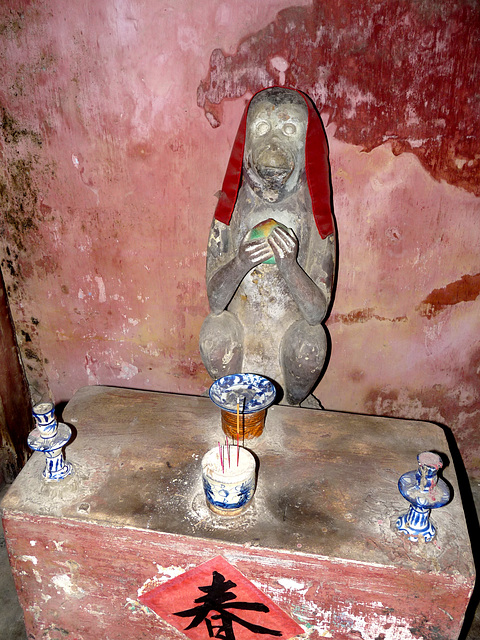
x=22, y=216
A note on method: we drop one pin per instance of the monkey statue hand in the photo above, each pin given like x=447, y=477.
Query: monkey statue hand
x=309, y=298
x=253, y=252
x=284, y=245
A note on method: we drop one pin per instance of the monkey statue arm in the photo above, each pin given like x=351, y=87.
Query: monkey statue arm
x=309, y=297
x=223, y=283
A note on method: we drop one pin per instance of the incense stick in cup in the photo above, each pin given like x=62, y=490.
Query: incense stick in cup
x=238, y=429
x=243, y=420
x=227, y=445
x=221, y=456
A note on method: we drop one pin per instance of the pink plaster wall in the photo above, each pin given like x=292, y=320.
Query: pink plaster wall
x=118, y=118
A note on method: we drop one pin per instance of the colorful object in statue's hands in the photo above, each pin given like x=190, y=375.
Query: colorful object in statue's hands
x=263, y=230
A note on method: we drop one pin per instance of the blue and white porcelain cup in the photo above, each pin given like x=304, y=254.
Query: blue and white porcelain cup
x=45, y=421
x=228, y=475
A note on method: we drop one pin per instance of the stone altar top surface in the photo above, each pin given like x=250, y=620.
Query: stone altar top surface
x=327, y=482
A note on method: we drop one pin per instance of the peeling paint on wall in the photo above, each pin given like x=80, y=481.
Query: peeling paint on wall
x=466, y=289
x=405, y=73
x=362, y=315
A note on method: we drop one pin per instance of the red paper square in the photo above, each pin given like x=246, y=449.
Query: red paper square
x=217, y=601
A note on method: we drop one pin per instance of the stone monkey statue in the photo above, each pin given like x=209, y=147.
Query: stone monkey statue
x=271, y=250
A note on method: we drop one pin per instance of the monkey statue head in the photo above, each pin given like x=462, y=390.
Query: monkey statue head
x=274, y=154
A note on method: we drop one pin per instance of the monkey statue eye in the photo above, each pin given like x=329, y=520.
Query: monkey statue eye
x=289, y=129
x=261, y=128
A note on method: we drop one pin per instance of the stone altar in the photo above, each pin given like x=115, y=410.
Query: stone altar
x=319, y=540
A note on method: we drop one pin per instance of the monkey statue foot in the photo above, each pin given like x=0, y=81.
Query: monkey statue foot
x=311, y=402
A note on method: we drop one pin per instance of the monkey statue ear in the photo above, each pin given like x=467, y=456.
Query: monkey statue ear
x=316, y=166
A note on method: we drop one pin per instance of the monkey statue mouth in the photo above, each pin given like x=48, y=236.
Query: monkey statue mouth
x=274, y=175
x=274, y=164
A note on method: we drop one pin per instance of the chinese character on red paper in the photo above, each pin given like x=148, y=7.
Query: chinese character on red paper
x=228, y=606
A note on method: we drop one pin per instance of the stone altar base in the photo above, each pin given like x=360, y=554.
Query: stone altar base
x=319, y=539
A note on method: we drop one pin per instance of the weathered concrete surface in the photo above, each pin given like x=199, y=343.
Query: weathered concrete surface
x=319, y=540
x=114, y=141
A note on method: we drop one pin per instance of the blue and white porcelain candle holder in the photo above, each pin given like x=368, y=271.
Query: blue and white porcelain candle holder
x=425, y=491
x=228, y=475
x=50, y=437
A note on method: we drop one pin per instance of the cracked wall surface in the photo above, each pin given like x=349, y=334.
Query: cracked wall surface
x=117, y=121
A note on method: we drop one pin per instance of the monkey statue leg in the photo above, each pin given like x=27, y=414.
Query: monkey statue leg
x=302, y=355
x=221, y=344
